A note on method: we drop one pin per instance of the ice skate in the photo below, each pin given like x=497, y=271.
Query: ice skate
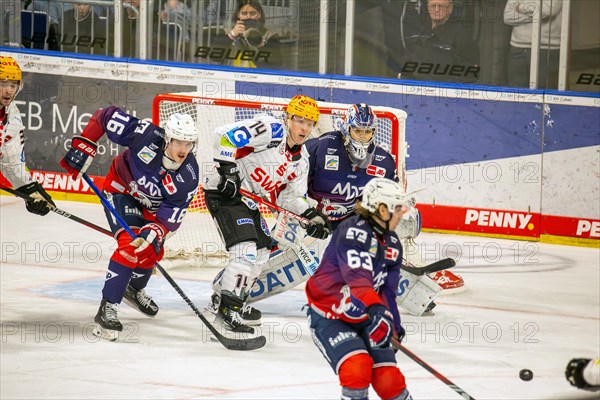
x=229, y=315
x=139, y=300
x=108, y=325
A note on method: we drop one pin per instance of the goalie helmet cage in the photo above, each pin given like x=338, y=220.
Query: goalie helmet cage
x=197, y=241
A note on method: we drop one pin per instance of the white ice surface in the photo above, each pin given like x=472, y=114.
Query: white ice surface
x=527, y=305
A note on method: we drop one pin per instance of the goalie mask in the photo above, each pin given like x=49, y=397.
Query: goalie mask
x=358, y=130
x=180, y=127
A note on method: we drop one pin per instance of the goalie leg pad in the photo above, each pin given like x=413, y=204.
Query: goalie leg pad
x=416, y=293
x=388, y=382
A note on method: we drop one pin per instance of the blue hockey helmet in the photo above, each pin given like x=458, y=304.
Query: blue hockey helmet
x=358, y=129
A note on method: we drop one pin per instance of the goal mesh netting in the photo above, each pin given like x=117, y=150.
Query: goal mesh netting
x=197, y=241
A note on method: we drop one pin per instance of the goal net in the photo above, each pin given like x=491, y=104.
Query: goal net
x=197, y=241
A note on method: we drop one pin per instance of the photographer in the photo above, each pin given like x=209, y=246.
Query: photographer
x=252, y=44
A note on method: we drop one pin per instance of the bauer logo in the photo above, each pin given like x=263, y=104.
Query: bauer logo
x=501, y=219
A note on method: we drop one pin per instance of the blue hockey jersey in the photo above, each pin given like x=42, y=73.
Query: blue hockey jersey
x=332, y=179
x=138, y=171
x=358, y=269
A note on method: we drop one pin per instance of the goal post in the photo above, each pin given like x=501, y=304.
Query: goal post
x=197, y=241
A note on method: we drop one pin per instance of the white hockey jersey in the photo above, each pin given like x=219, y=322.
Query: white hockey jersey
x=12, y=141
x=267, y=167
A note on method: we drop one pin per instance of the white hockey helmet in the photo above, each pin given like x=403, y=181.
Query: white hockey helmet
x=386, y=191
x=181, y=127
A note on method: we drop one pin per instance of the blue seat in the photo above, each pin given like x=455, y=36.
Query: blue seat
x=34, y=28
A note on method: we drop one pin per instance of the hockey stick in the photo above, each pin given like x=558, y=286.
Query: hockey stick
x=304, y=255
x=273, y=206
x=440, y=265
x=398, y=346
x=61, y=212
x=229, y=343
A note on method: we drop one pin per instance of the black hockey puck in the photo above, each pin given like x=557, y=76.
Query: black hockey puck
x=526, y=375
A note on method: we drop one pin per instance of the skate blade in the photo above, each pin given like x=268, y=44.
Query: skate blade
x=104, y=333
x=256, y=322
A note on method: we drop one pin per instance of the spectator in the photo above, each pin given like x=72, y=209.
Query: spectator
x=84, y=31
x=176, y=18
x=439, y=48
x=520, y=15
x=249, y=43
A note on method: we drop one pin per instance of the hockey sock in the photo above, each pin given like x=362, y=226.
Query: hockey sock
x=117, y=279
x=140, y=277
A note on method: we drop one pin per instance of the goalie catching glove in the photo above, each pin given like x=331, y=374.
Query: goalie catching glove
x=41, y=203
x=230, y=182
x=148, y=243
x=79, y=157
x=318, y=226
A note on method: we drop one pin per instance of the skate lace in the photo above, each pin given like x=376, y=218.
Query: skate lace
x=246, y=309
x=110, y=310
x=143, y=298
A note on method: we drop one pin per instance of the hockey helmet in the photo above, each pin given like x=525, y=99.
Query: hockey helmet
x=358, y=129
x=386, y=191
x=9, y=69
x=181, y=127
x=303, y=106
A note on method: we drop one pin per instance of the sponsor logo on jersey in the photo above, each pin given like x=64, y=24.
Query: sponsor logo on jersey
x=379, y=157
x=331, y=151
x=228, y=154
x=373, y=248
x=356, y=234
x=350, y=191
x=191, y=169
x=332, y=163
x=239, y=136
x=374, y=170
x=169, y=185
x=276, y=130
x=391, y=254
x=179, y=178
x=146, y=155
x=261, y=177
x=244, y=221
x=502, y=219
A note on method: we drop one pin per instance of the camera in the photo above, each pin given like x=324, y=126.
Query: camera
x=252, y=34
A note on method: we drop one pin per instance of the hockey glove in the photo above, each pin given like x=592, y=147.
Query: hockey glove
x=574, y=372
x=42, y=203
x=381, y=328
x=79, y=157
x=149, y=242
x=230, y=183
x=319, y=226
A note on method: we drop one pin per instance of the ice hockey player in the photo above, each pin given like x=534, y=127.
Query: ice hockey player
x=12, y=141
x=352, y=310
x=343, y=161
x=584, y=373
x=265, y=156
x=150, y=184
